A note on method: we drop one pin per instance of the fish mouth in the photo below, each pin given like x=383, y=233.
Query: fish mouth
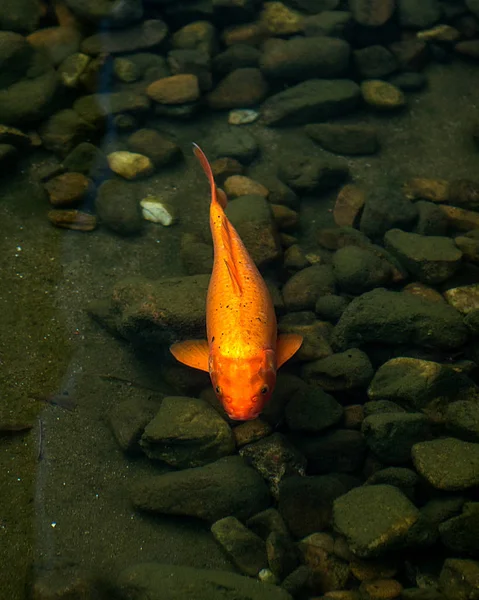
x=242, y=416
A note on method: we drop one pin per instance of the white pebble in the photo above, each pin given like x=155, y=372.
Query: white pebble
x=157, y=211
x=242, y=116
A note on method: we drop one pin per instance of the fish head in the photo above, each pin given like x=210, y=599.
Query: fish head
x=244, y=385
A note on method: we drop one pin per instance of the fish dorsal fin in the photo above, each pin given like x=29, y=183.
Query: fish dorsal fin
x=193, y=353
x=234, y=278
x=217, y=195
x=287, y=345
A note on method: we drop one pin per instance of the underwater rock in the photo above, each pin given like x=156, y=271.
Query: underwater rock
x=154, y=581
x=148, y=35
x=239, y=185
x=423, y=291
x=469, y=246
x=302, y=290
x=235, y=143
x=358, y=270
x=242, y=116
x=238, y=56
x=177, y=89
x=311, y=101
x=294, y=258
x=199, y=36
x=194, y=62
x=461, y=533
x=315, y=334
x=63, y=131
x=332, y=23
x=278, y=19
x=266, y=522
x=340, y=372
x=89, y=160
x=312, y=410
x=376, y=589
x=448, y=463
x=431, y=220
x=252, y=217
x=158, y=211
x=312, y=175
x=283, y=555
x=240, y=88
x=400, y=477
x=244, y=548
x=331, y=307
x=306, y=503
x=398, y=318
x=286, y=218
x=337, y=451
x=328, y=573
x=8, y=156
x=372, y=13
x=420, y=188
x=159, y=149
x=187, y=432
x=196, y=256
x=21, y=16
x=381, y=406
x=464, y=298
x=251, y=431
x=227, y=487
x=225, y=167
x=300, y=58
x=156, y=312
x=57, y=42
x=72, y=219
x=344, y=139
x=392, y=435
x=68, y=189
x=413, y=383
x=370, y=530
x=462, y=420
x=96, y=108
x=130, y=165
x=274, y=457
x=459, y=578
x=461, y=219
x=118, y=208
x=374, y=62
x=382, y=95
x=430, y=259
x=420, y=15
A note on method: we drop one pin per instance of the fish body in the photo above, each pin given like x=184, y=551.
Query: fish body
x=242, y=352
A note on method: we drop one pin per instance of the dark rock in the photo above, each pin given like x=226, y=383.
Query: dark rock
x=344, y=139
x=161, y=150
x=196, y=256
x=392, y=435
x=358, y=270
x=331, y=307
x=187, y=432
x=459, y=578
x=233, y=12
x=314, y=6
x=381, y=406
x=386, y=209
x=430, y=259
x=316, y=334
x=448, y=463
x=64, y=130
x=374, y=62
x=370, y=530
x=409, y=81
x=253, y=220
x=147, y=35
x=462, y=420
x=339, y=372
x=302, y=290
x=266, y=522
x=20, y=15
x=314, y=100
x=274, y=457
x=313, y=175
x=333, y=23
x=238, y=56
x=400, y=477
x=413, y=382
x=193, y=62
x=297, y=582
x=8, y=156
x=472, y=321
x=431, y=219
x=241, y=88
x=372, y=13
x=246, y=550
x=200, y=36
x=312, y=410
x=444, y=507
x=461, y=533
x=89, y=160
x=227, y=487
x=154, y=581
x=16, y=55
x=339, y=451
x=236, y=143
x=118, y=207
x=300, y=58
x=96, y=108
x=283, y=556
x=396, y=318
x=419, y=15
x=306, y=503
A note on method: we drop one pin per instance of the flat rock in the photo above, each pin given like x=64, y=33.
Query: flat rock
x=459, y=578
x=227, y=487
x=397, y=318
x=154, y=581
x=177, y=89
x=341, y=371
x=372, y=13
x=311, y=101
x=240, y=88
x=148, y=35
x=370, y=530
x=344, y=139
x=311, y=409
x=448, y=463
x=359, y=270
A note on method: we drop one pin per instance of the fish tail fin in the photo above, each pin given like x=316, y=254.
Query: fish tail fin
x=217, y=195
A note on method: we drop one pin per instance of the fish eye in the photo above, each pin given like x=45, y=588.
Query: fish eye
x=218, y=389
x=264, y=389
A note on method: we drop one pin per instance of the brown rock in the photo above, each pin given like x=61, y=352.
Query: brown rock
x=294, y=258
x=239, y=185
x=464, y=193
x=380, y=589
x=251, y=431
x=240, y=88
x=68, y=189
x=199, y=35
x=177, y=89
x=278, y=19
x=372, y=13
x=423, y=291
x=469, y=247
x=286, y=218
x=461, y=219
x=329, y=572
x=250, y=33
x=365, y=570
x=287, y=240
x=225, y=167
x=159, y=149
x=348, y=205
x=411, y=54
x=434, y=190
x=72, y=219
x=468, y=48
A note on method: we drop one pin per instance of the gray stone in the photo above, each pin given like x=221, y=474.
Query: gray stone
x=64, y=130
x=429, y=259
x=400, y=477
x=227, y=487
x=386, y=208
x=89, y=160
x=15, y=57
x=359, y=270
x=392, y=435
x=300, y=58
x=341, y=371
x=331, y=307
x=311, y=101
x=235, y=143
x=154, y=581
x=334, y=23
x=308, y=175
x=448, y=463
x=302, y=290
x=118, y=207
x=312, y=410
x=431, y=219
x=397, y=318
x=371, y=530
x=187, y=432
x=344, y=139
x=96, y=108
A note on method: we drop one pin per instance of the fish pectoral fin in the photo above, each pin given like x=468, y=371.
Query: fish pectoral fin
x=193, y=353
x=287, y=345
x=234, y=278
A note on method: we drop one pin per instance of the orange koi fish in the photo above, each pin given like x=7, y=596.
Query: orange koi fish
x=242, y=352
